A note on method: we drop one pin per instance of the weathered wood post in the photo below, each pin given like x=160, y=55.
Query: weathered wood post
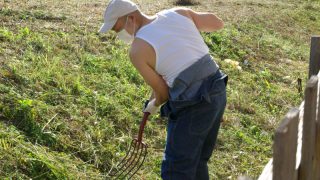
x=306, y=171
x=317, y=150
x=285, y=147
x=314, y=68
x=314, y=65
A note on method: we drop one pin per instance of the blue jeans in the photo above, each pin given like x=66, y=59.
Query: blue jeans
x=193, y=125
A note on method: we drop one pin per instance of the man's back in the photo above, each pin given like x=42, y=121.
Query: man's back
x=176, y=41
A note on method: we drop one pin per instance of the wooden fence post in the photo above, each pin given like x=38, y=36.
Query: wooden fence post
x=285, y=147
x=314, y=65
x=309, y=127
x=317, y=148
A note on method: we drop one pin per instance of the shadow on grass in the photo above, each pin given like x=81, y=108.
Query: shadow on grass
x=21, y=114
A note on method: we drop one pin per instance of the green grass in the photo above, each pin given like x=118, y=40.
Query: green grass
x=70, y=100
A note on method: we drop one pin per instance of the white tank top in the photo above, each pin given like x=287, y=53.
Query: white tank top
x=177, y=43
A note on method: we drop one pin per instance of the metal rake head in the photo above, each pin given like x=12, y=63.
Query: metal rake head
x=132, y=162
x=134, y=158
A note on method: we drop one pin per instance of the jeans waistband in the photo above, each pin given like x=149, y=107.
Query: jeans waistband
x=190, y=80
x=193, y=85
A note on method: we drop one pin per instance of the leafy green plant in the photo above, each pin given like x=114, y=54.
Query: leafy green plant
x=6, y=35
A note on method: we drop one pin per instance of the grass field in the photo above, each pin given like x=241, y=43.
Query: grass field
x=70, y=100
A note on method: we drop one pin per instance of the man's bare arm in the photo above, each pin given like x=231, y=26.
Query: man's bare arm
x=139, y=54
x=205, y=21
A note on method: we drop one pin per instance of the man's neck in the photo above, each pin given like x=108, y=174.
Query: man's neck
x=145, y=20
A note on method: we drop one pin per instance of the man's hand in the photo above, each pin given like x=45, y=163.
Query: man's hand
x=151, y=107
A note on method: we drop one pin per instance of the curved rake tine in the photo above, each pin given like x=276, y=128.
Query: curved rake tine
x=130, y=162
x=134, y=167
x=122, y=161
x=137, y=159
x=126, y=159
x=139, y=164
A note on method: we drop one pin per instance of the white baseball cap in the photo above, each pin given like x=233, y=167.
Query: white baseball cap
x=116, y=9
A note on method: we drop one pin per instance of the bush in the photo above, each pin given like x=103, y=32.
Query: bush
x=187, y=2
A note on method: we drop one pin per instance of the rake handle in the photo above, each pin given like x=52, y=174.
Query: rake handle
x=142, y=124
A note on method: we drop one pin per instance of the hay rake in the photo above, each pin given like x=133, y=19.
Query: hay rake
x=135, y=156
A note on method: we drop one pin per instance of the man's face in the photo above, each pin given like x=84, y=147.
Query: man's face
x=121, y=22
x=127, y=23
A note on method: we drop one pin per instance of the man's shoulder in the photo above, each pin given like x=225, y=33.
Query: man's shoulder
x=140, y=46
x=182, y=11
x=140, y=49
